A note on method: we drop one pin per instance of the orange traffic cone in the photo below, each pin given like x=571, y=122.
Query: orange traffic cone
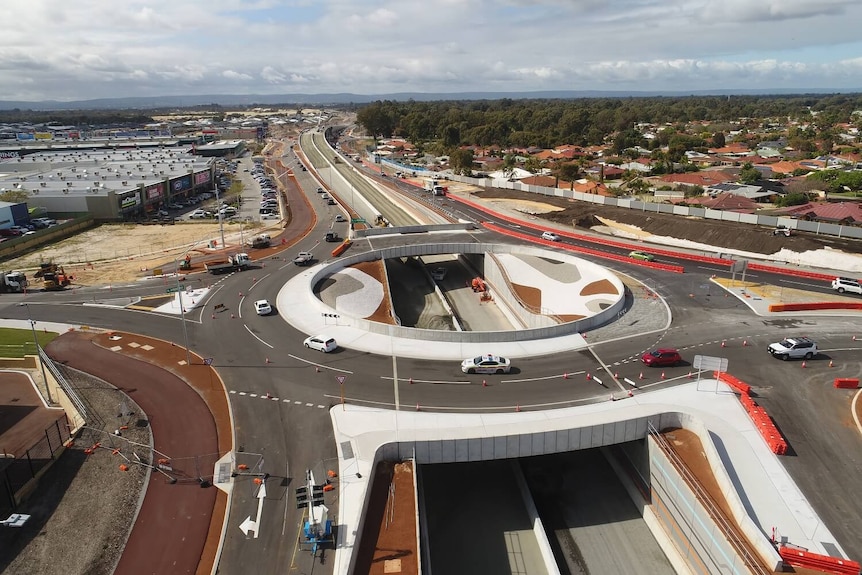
x=723, y=343
x=830, y=363
x=317, y=369
x=566, y=375
x=803, y=364
x=589, y=377
x=410, y=381
x=484, y=383
x=745, y=343
x=662, y=375
x=518, y=407
x=267, y=361
x=417, y=407
x=689, y=374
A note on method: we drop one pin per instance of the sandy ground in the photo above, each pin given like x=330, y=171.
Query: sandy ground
x=123, y=252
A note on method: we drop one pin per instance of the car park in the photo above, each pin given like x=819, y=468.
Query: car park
x=850, y=285
x=550, y=236
x=486, y=364
x=642, y=256
x=320, y=343
x=262, y=307
x=793, y=348
x=664, y=357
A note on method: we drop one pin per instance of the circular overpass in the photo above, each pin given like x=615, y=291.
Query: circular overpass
x=550, y=298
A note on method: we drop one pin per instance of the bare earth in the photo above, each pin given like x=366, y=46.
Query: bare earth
x=114, y=253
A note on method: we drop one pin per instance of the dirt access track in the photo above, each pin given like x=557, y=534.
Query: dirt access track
x=726, y=235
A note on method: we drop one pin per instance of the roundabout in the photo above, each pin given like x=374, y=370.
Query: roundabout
x=547, y=298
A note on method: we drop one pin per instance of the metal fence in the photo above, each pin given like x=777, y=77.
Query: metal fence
x=15, y=472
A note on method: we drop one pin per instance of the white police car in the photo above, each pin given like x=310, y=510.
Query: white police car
x=486, y=364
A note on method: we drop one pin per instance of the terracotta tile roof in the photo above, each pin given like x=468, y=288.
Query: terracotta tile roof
x=731, y=203
x=849, y=212
x=787, y=167
x=705, y=178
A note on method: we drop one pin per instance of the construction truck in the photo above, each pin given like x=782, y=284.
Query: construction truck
x=235, y=262
x=259, y=242
x=429, y=184
x=53, y=277
x=12, y=282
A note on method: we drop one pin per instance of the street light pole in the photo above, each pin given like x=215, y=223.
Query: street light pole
x=220, y=222
x=39, y=355
x=182, y=311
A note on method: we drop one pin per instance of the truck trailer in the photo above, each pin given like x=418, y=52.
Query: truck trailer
x=236, y=262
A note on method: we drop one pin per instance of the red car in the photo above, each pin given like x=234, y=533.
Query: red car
x=661, y=357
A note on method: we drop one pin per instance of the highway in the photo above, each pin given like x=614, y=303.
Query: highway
x=291, y=436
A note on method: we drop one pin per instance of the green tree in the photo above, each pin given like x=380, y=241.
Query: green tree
x=461, y=161
x=569, y=171
x=749, y=174
x=718, y=140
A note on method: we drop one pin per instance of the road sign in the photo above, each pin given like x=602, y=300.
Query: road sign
x=173, y=289
x=707, y=363
x=341, y=379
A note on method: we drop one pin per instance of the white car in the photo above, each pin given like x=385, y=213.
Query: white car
x=340, y=218
x=486, y=364
x=199, y=214
x=262, y=307
x=550, y=236
x=322, y=343
x=842, y=285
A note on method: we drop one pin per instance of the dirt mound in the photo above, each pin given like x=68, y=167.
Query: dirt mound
x=728, y=235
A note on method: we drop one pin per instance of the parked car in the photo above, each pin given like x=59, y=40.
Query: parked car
x=320, y=343
x=9, y=232
x=175, y=206
x=262, y=307
x=793, y=348
x=842, y=285
x=550, y=236
x=665, y=357
x=643, y=256
x=486, y=364
x=200, y=214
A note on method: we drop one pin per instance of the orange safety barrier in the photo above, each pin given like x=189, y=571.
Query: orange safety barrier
x=734, y=382
x=823, y=563
x=814, y=305
x=790, y=272
x=328, y=487
x=342, y=247
x=847, y=382
x=765, y=425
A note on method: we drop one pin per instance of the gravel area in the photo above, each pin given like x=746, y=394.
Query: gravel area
x=84, y=506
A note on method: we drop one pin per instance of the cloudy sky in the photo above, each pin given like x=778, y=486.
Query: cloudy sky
x=82, y=49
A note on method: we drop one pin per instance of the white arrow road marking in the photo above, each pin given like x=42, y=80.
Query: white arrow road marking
x=248, y=524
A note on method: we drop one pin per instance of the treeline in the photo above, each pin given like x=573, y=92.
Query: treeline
x=549, y=123
x=78, y=118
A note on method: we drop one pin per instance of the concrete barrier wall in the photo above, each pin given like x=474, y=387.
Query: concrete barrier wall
x=699, y=539
x=413, y=229
x=752, y=532
x=557, y=330
x=538, y=527
x=655, y=207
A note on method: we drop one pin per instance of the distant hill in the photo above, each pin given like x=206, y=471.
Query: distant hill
x=226, y=100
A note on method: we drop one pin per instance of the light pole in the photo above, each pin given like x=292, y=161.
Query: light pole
x=220, y=223
x=182, y=311
x=39, y=355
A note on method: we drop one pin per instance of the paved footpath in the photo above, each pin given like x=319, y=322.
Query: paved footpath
x=179, y=525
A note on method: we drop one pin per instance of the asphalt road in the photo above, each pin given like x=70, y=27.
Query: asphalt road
x=295, y=435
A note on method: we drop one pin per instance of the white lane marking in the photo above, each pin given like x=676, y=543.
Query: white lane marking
x=239, y=307
x=320, y=365
x=257, y=281
x=257, y=338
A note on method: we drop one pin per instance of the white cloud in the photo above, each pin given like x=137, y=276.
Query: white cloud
x=100, y=48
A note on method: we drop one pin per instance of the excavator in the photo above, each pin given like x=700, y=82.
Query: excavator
x=53, y=277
